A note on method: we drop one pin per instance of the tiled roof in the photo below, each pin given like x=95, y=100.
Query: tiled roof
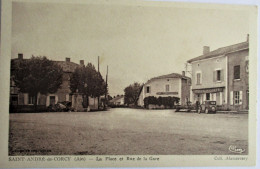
x=116, y=98
x=172, y=75
x=67, y=66
x=222, y=51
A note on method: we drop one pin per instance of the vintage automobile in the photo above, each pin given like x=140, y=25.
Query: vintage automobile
x=60, y=107
x=208, y=107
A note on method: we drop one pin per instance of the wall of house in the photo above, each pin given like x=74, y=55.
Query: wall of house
x=185, y=91
x=140, y=101
x=64, y=90
x=207, y=68
x=158, y=89
x=238, y=58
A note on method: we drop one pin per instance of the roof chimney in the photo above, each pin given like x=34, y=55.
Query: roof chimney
x=81, y=62
x=206, y=50
x=183, y=73
x=20, y=56
x=67, y=59
x=247, y=38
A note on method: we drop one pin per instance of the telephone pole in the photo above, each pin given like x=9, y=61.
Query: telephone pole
x=106, y=89
x=98, y=72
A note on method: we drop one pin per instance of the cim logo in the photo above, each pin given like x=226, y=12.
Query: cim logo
x=234, y=149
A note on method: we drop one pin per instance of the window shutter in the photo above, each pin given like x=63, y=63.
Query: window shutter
x=214, y=76
x=222, y=75
x=47, y=100
x=231, y=98
x=240, y=97
x=56, y=99
x=200, y=78
x=67, y=97
x=25, y=98
x=197, y=78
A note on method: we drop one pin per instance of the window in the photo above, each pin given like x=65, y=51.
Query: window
x=167, y=88
x=207, y=96
x=31, y=99
x=148, y=89
x=198, y=78
x=236, y=97
x=237, y=72
x=218, y=75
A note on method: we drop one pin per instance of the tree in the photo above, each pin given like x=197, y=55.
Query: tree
x=88, y=81
x=131, y=93
x=37, y=75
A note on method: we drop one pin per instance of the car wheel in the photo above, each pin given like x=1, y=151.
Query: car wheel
x=206, y=110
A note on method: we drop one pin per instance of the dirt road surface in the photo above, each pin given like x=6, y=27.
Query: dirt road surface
x=124, y=131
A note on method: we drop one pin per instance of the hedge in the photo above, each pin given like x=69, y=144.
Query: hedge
x=166, y=101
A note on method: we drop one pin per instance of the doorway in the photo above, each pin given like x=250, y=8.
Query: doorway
x=52, y=100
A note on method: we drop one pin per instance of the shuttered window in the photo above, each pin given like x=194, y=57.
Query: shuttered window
x=237, y=72
x=31, y=99
x=148, y=89
x=218, y=75
x=198, y=78
x=238, y=95
x=167, y=88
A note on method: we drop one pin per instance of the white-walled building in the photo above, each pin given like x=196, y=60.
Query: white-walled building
x=174, y=85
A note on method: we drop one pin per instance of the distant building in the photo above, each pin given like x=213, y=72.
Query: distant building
x=63, y=93
x=174, y=85
x=117, y=101
x=222, y=75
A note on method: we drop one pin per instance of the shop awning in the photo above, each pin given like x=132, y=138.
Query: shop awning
x=208, y=90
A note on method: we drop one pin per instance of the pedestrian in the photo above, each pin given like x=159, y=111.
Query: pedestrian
x=197, y=106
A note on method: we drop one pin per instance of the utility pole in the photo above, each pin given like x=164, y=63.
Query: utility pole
x=106, y=89
x=98, y=72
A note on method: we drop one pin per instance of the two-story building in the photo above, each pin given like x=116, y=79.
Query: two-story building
x=222, y=76
x=62, y=94
x=175, y=85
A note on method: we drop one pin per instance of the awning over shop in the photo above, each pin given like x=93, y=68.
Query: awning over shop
x=208, y=90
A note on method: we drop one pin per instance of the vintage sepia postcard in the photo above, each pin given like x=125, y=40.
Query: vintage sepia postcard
x=127, y=84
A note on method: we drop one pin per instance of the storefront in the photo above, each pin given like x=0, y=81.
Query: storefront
x=213, y=94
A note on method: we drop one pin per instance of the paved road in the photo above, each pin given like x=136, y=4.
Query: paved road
x=127, y=131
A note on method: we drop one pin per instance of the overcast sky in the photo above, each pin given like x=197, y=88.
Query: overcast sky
x=136, y=42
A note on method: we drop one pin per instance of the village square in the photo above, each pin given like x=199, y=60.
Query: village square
x=66, y=122
x=122, y=85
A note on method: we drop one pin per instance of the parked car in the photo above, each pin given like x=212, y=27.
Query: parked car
x=61, y=107
x=208, y=107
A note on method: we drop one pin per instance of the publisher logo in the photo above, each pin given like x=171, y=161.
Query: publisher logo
x=235, y=149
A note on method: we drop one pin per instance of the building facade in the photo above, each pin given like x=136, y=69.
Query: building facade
x=118, y=101
x=63, y=93
x=222, y=76
x=174, y=85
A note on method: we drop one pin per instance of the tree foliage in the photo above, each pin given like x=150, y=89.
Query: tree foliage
x=131, y=93
x=37, y=75
x=88, y=81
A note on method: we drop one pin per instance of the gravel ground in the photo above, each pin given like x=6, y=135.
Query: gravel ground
x=124, y=131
